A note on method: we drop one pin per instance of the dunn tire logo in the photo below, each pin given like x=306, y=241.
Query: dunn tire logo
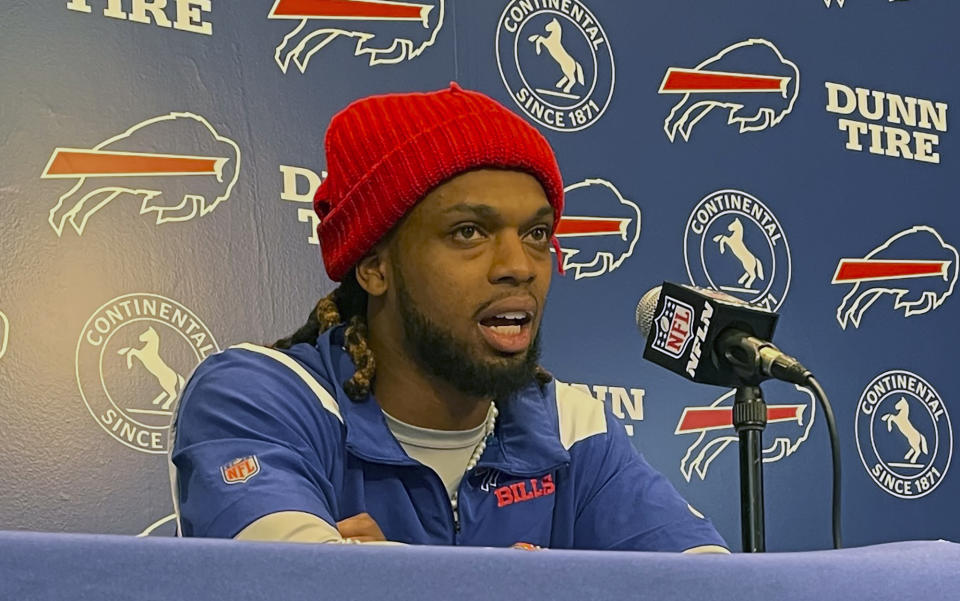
x=133, y=357
x=556, y=63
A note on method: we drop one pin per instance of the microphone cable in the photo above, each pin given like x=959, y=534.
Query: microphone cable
x=821, y=395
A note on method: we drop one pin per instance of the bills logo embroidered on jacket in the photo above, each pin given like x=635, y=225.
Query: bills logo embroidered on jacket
x=525, y=490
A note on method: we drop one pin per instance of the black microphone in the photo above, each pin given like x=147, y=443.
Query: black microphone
x=713, y=338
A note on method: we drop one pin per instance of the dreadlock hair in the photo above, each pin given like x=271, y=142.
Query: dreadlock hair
x=348, y=304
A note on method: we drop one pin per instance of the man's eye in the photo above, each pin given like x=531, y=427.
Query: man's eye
x=540, y=233
x=466, y=232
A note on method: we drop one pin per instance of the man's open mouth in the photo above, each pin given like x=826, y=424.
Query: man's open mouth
x=508, y=331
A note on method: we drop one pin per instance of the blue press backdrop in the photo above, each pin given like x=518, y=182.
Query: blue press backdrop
x=111, y=283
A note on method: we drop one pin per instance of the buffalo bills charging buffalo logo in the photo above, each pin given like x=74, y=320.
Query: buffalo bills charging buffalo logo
x=916, y=268
x=385, y=31
x=751, y=80
x=599, y=229
x=788, y=426
x=178, y=166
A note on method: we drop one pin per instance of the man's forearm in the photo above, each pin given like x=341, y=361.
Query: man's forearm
x=292, y=527
x=298, y=527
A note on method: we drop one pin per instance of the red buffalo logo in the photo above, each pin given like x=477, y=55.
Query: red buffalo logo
x=788, y=426
x=386, y=31
x=916, y=267
x=177, y=165
x=751, y=80
x=599, y=228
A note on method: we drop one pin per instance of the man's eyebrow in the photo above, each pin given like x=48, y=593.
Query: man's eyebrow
x=489, y=212
x=547, y=210
x=478, y=209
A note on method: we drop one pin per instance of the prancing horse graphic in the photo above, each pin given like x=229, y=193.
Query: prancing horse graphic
x=572, y=70
x=752, y=267
x=170, y=381
x=901, y=419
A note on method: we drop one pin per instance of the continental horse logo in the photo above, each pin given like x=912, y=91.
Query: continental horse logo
x=752, y=267
x=132, y=357
x=555, y=62
x=385, y=31
x=734, y=243
x=571, y=68
x=901, y=419
x=149, y=356
x=177, y=165
x=903, y=434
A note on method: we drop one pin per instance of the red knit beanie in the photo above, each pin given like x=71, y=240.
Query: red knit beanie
x=385, y=153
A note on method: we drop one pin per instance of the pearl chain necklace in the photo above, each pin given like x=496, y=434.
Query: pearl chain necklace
x=488, y=428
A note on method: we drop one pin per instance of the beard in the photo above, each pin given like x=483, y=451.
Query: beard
x=439, y=353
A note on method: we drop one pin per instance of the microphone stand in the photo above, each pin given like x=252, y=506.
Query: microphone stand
x=745, y=355
x=749, y=420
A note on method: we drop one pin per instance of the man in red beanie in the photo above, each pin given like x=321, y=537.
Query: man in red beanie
x=411, y=407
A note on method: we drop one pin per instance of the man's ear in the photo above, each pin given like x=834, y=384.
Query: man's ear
x=372, y=271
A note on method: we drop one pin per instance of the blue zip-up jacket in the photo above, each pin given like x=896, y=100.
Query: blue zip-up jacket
x=260, y=431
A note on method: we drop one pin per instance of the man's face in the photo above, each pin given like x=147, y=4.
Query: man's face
x=470, y=268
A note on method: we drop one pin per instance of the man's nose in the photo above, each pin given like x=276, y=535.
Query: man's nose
x=511, y=260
